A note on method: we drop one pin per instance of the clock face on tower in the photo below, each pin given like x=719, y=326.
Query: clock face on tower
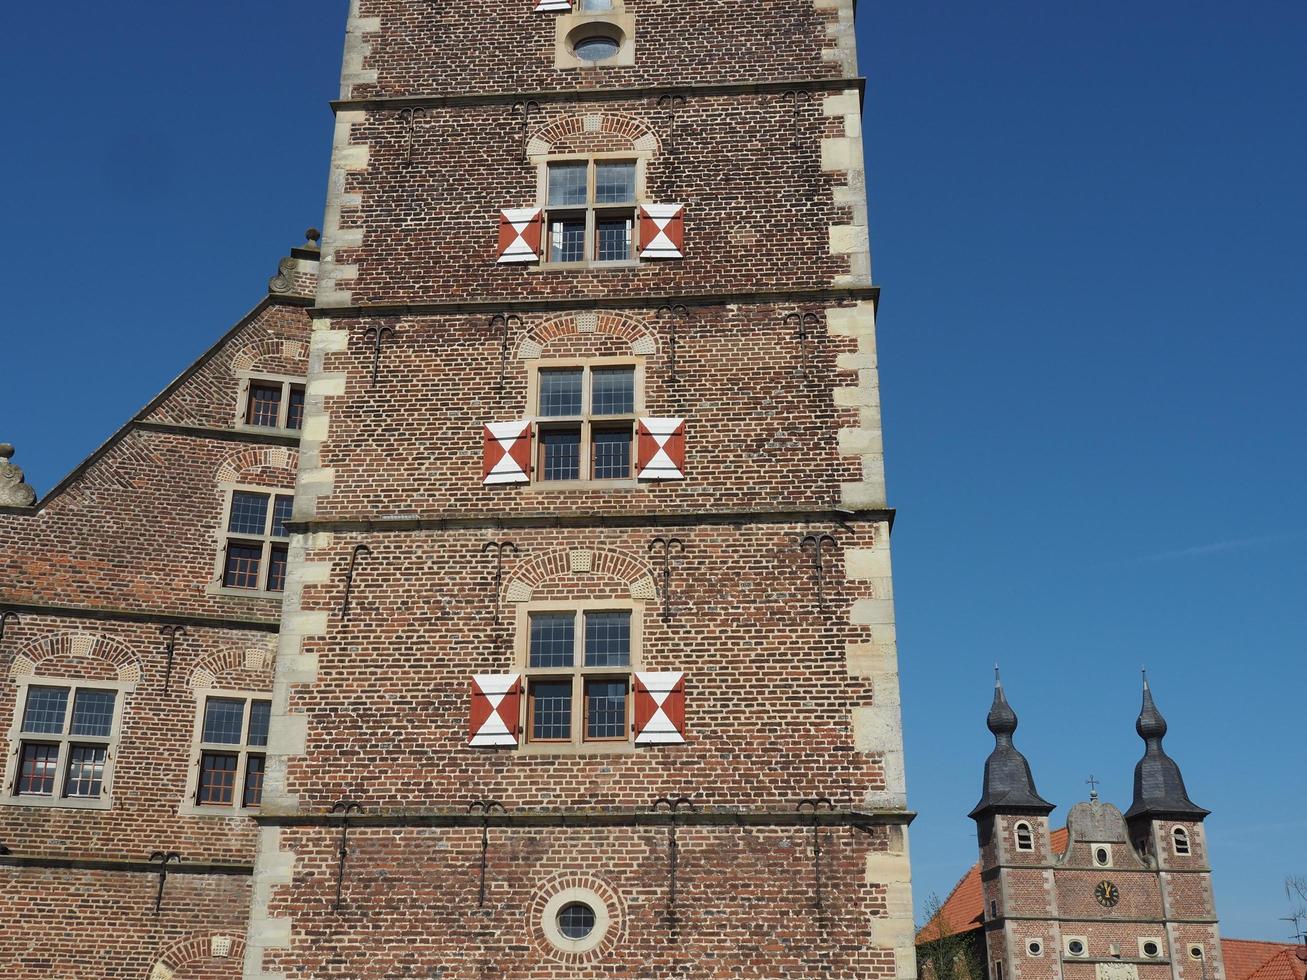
x=1107, y=894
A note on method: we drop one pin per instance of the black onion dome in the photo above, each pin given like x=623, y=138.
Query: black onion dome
x=1159, y=786
x=1009, y=784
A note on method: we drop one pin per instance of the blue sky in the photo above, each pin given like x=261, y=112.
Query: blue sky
x=1088, y=222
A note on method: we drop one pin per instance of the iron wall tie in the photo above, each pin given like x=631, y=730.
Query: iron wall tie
x=675, y=312
x=409, y=118
x=499, y=547
x=343, y=808
x=669, y=546
x=527, y=106
x=673, y=848
x=504, y=321
x=806, y=327
x=818, y=542
x=359, y=549
x=5, y=617
x=485, y=808
x=171, y=632
x=163, y=859
x=816, y=804
x=797, y=97
x=376, y=336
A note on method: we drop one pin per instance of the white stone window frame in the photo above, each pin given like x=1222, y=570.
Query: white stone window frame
x=1084, y=945
x=17, y=738
x=1179, y=834
x=247, y=380
x=587, y=420
x=1161, y=948
x=570, y=28
x=223, y=538
x=1023, y=825
x=1093, y=855
x=579, y=674
x=189, y=806
x=569, y=896
x=639, y=157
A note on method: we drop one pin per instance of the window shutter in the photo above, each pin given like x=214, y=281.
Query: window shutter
x=659, y=709
x=661, y=450
x=520, y=234
x=496, y=706
x=546, y=6
x=662, y=231
x=506, y=452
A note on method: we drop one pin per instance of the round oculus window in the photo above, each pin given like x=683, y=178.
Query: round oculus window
x=1076, y=948
x=1035, y=947
x=576, y=920
x=1101, y=855
x=596, y=47
x=1151, y=948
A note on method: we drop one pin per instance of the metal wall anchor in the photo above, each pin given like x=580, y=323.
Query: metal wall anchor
x=343, y=808
x=359, y=549
x=669, y=546
x=818, y=541
x=527, y=107
x=806, y=327
x=485, y=808
x=171, y=632
x=671, y=104
x=504, y=321
x=817, y=804
x=498, y=547
x=675, y=313
x=409, y=118
x=376, y=336
x=5, y=617
x=163, y=859
x=673, y=847
x=798, y=97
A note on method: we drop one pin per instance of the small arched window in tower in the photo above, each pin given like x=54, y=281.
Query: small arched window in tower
x=1025, y=837
x=993, y=910
x=1180, y=840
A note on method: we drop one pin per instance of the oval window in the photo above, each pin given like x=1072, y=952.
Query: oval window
x=596, y=47
x=1101, y=856
x=1151, y=948
x=1076, y=948
x=576, y=920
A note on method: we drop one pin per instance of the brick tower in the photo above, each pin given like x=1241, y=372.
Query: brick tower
x=587, y=663
x=1128, y=897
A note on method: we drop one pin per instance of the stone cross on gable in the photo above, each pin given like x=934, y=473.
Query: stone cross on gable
x=1093, y=787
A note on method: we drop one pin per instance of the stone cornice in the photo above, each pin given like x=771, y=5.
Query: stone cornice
x=601, y=94
x=124, y=866
x=142, y=616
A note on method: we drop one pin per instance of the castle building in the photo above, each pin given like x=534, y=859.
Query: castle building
x=509, y=594
x=1112, y=896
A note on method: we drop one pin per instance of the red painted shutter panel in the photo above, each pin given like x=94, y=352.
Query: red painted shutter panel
x=659, y=708
x=506, y=452
x=520, y=234
x=496, y=705
x=660, y=452
x=662, y=231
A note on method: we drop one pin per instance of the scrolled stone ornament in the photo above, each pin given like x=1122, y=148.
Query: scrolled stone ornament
x=13, y=491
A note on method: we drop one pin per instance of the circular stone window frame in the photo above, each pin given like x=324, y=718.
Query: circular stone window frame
x=616, y=25
x=572, y=896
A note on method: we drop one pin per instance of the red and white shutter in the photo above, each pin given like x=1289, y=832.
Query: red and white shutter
x=660, y=453
x=520, y=231
x=506, y=452
x=496, y=706
x=662, y=231
x=659, y=709
x=547, y=6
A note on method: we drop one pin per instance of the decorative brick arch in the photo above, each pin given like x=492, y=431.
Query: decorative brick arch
x=272, y=355
x=626, y=568
x=636, y=333
x=196, y=951
x=88, y=646
x=252, y=465
x=206, y=672
x=595, y=131
x=585, y=887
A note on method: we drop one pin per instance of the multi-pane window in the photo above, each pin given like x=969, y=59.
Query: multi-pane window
x=578, y=675
x=275, y=404
x=233, y=741
x=257, y=542
x=586, y=422
x=590, y=208
x=65, y=735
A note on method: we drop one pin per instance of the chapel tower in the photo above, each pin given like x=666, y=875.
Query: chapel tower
x=1118, y=897
x=587, y=657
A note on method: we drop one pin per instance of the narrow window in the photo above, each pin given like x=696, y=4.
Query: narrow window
x=63, y=753
x=273, y=404
x=233, y=734
x=1180, y=838
x=1025, y=837
x=257, y=547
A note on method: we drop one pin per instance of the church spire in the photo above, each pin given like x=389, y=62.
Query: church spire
x=1009, y=785
x=1159, y=787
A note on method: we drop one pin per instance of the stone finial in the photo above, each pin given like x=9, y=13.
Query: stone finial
x=13, y=491
x=312, y=240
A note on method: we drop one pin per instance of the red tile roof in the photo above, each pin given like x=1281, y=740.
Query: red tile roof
x=1245, y=959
